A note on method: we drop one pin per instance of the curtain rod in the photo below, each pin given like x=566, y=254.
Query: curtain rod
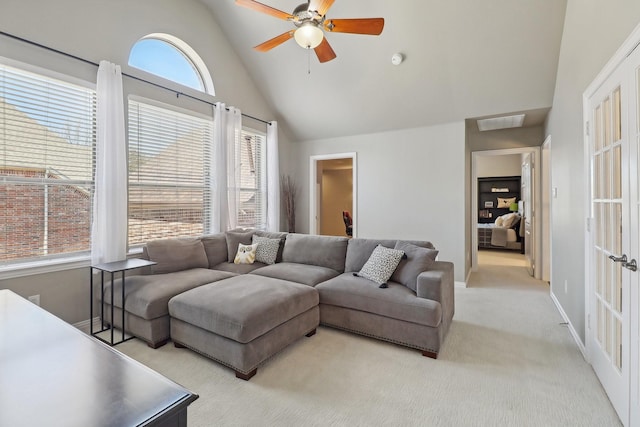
x=77, y=58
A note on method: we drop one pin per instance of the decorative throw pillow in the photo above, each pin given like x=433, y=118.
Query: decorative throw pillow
x=234, y=238
x=505, y=203
x=418, y=260
x=381, y=265
x=508, y=220
x=499, y=221
x=267, y=250
x=246, y=254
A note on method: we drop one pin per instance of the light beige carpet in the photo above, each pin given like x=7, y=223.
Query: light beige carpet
x=507, y=361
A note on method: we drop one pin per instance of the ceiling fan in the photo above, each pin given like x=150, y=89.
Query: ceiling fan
x=310, y=20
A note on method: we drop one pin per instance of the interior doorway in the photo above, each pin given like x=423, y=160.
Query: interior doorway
x=333, y=190
x=533, y=203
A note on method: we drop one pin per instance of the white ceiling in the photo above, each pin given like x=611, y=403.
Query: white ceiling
x=463, y=59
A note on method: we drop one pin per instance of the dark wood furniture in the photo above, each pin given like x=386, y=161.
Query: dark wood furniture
x=489, y=190
x=52, y=374
x=112, y=268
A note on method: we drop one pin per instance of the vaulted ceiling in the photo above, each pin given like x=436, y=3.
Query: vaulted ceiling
x=463, y=59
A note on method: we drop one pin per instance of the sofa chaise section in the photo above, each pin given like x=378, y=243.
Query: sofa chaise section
x=181, y=264
x=147, y=298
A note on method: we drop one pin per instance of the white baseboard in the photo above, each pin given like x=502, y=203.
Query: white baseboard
x=466, y=280
x=572, y=330
x=85, y=324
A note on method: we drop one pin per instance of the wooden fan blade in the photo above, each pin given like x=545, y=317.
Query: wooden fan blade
x=321, y=6
x=324, y=52
x=370, y=26
x=264, y=9
x=276, y=41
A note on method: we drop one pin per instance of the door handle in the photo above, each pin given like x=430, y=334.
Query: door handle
x=622, y=259
x=631, y=265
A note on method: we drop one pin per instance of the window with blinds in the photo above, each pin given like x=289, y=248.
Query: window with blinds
x=252, y=192
x=47, y=157
x=170, y=158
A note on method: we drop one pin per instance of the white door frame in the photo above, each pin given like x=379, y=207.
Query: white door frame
x=474, y=201
x=547, y=200
x=612, y=66
x=313, y=189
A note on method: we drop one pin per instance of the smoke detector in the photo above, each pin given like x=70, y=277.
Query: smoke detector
x=397, y=58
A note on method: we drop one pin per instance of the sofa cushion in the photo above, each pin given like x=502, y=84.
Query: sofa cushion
x=244, y=307
x=176, y=255
x=309, y=275
x=323, y=251
x=148, y=296
x=396, y=302
x=421, y=243
x=238, y=268
x=267, y=250
x=418, y=260
x=215, y=246
x=359, y=251
x=381, y=264
x=234, y=238
x=274, y=235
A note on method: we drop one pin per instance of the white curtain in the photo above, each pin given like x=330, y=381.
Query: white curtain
x=273, y=178
x=227, y=131
x=109, y=225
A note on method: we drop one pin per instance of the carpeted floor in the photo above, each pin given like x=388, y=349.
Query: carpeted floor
x=507, y=361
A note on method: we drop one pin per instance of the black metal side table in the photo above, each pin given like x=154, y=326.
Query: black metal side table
x=112, y=267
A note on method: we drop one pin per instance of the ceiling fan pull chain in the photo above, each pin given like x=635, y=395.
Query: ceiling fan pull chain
x=308, y=61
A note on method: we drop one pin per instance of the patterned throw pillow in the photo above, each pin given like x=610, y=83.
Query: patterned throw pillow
x=267, y=251
x=381, y=264
x=246, y=254
x=418, y=260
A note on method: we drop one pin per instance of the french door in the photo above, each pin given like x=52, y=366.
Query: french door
x=612, y=322
x=634, y=208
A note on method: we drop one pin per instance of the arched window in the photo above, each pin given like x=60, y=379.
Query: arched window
x=171, y=58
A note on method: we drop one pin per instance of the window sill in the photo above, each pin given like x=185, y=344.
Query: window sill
x=25, y=269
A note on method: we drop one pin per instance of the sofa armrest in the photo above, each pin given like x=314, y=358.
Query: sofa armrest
x=437, y=284
x=434, y=282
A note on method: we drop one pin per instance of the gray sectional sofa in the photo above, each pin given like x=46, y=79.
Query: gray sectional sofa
x=242, y=314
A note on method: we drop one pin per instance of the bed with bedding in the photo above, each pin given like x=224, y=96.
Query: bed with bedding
x=505, y=233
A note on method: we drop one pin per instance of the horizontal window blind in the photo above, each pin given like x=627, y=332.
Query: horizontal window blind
x=47, y=152
x=169, y=173
x=252, y=191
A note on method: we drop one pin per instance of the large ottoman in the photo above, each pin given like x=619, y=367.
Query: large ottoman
x=242, y=321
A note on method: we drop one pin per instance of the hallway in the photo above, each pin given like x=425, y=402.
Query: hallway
x=507, y=326
x=503, y=269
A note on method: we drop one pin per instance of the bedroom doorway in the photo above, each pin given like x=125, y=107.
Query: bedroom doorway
x=505, y=163
x=333, y=195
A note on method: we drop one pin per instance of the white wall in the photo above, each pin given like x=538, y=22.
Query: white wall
x=499, y=165
x=594, y=29
x=532, y=136
x=96, y=30
x=411, y=185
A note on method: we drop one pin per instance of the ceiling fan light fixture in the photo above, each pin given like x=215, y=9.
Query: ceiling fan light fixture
x=308, y=35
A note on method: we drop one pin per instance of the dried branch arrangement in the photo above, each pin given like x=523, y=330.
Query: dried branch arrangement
x=289, y=193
